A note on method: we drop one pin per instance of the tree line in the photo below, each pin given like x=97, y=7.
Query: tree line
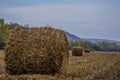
x=95, y=46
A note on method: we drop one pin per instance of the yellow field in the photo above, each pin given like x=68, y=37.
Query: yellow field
x=90, y=66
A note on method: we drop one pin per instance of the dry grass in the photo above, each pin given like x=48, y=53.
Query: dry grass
x=2, y=64
x=87, y=50
x=94, y=66
x=97, y=66
x=35, y=50
x=77, y=51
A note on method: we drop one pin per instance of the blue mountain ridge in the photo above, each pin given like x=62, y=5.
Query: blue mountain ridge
x=74, y=37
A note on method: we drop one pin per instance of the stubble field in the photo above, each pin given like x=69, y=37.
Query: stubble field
x=90, y=66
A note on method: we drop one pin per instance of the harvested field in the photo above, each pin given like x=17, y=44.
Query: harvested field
x=2, y=63
x=94, y=66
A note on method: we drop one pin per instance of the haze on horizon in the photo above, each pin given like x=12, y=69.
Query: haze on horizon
x=98, y=19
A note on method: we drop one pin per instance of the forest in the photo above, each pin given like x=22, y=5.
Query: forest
x=95, y=46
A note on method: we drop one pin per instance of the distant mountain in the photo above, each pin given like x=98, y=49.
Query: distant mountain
x=74, y=37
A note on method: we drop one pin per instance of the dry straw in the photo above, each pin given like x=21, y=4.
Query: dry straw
x=36, y=51
x=77, y=51
x=87, y=50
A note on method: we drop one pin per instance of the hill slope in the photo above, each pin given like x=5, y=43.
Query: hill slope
x=74, y=37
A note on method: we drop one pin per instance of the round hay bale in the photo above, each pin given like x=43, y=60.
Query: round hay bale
x=36, y=51
x=77, y=51
x=87, y=50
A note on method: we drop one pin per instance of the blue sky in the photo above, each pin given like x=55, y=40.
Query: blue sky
x=84, y=18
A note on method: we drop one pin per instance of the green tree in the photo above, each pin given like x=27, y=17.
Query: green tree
x=76, y=43
x=4, y=31
x=105, y=46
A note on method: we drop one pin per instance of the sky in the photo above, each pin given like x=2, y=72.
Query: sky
x=99, y=19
